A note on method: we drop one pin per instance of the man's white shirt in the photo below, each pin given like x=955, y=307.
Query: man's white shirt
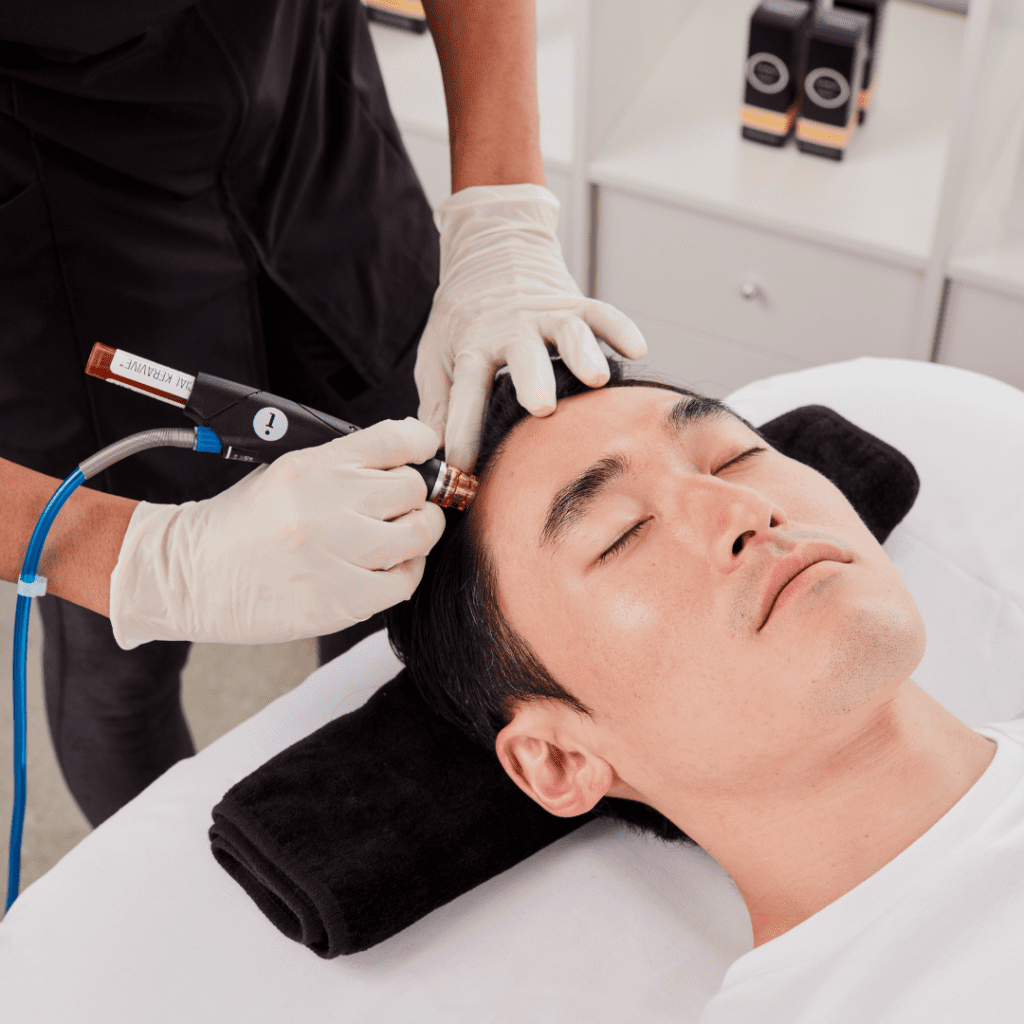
x=937, y=935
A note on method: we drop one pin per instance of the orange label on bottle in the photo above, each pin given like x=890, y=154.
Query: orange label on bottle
x=768, y=120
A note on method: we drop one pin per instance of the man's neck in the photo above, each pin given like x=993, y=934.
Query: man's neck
x=839, y=824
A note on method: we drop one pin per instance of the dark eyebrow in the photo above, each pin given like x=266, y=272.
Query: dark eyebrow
x=689, y=411
x=574, y=500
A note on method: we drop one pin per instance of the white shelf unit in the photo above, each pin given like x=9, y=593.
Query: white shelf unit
x=739, y=260
x=983, y=322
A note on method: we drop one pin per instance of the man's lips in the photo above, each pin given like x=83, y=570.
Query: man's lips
x=786, y=569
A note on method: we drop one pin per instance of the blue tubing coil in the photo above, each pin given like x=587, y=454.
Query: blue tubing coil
x=21, y=616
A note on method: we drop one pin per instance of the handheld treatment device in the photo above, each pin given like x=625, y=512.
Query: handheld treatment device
x=235, y=421
x=251, y=425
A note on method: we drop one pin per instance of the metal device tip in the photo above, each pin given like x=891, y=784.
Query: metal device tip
x=457, y=490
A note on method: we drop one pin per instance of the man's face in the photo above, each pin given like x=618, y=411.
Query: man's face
x=720, y=607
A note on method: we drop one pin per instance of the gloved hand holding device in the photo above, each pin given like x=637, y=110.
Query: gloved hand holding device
x=314, y=542
x=504, y=295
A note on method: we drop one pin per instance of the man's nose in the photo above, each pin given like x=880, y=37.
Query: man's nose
x=733, y=520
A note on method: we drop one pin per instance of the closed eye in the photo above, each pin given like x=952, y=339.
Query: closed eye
x=742, y=457
x=624, y=540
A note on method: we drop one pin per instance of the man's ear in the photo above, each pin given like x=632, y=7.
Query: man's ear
x=548, y=765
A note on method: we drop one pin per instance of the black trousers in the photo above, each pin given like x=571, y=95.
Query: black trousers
x=115, y=716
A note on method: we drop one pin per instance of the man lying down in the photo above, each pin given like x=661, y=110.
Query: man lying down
x=647, y=602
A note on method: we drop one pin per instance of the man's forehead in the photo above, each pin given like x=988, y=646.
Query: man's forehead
x=579, y=425
x=583, y=423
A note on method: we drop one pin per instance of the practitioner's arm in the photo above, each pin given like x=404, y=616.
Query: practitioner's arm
x=82, y=546
x=505, y=293
x=488, y=56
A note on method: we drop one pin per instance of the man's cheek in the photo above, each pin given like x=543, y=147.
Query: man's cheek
x=626, y=612
x=644, y=631
x=805, y=508
x=808, y=497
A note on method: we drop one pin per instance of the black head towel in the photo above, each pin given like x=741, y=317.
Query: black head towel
x=368, y=824
x=379, y=817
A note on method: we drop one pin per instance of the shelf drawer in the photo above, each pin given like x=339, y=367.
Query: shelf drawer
x=801, y=300
x=984, y=332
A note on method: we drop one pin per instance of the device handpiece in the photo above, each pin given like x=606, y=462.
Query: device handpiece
x=254, y=425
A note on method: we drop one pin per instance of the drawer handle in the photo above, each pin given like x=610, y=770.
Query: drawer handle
x=750, y=291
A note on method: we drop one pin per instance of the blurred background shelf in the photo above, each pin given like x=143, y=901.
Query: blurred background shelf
x=740, y=260
x=679, y=141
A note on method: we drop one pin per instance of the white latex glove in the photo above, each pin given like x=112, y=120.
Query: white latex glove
x=504, y=292
x=314, y=542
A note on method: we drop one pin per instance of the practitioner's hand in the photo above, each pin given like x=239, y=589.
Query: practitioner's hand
x=316, y=541
x=505, y=291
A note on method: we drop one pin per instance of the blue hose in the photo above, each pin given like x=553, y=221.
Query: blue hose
x=21, y=614
x=202, y=439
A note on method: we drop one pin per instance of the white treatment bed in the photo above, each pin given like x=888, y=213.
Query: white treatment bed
x=139, y=924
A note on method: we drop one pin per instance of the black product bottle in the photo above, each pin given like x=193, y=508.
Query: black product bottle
x=771, y=92
x=875, y=10
x=835, y=49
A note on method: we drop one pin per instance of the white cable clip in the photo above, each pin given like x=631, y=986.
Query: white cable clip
x=34, y=587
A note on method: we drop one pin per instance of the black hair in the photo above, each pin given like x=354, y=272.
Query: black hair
x=467, y=661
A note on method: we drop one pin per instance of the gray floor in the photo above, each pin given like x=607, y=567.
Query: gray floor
x=223, y=685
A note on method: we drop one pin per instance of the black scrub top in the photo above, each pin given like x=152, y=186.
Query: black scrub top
x=164, y=167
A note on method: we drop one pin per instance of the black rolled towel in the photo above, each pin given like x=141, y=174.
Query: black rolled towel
x=368, y=824
x=379, y=817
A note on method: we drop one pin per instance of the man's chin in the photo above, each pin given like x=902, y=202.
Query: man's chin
x=874, y=649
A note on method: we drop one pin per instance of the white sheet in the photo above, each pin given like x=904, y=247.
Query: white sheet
x=138, y=923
